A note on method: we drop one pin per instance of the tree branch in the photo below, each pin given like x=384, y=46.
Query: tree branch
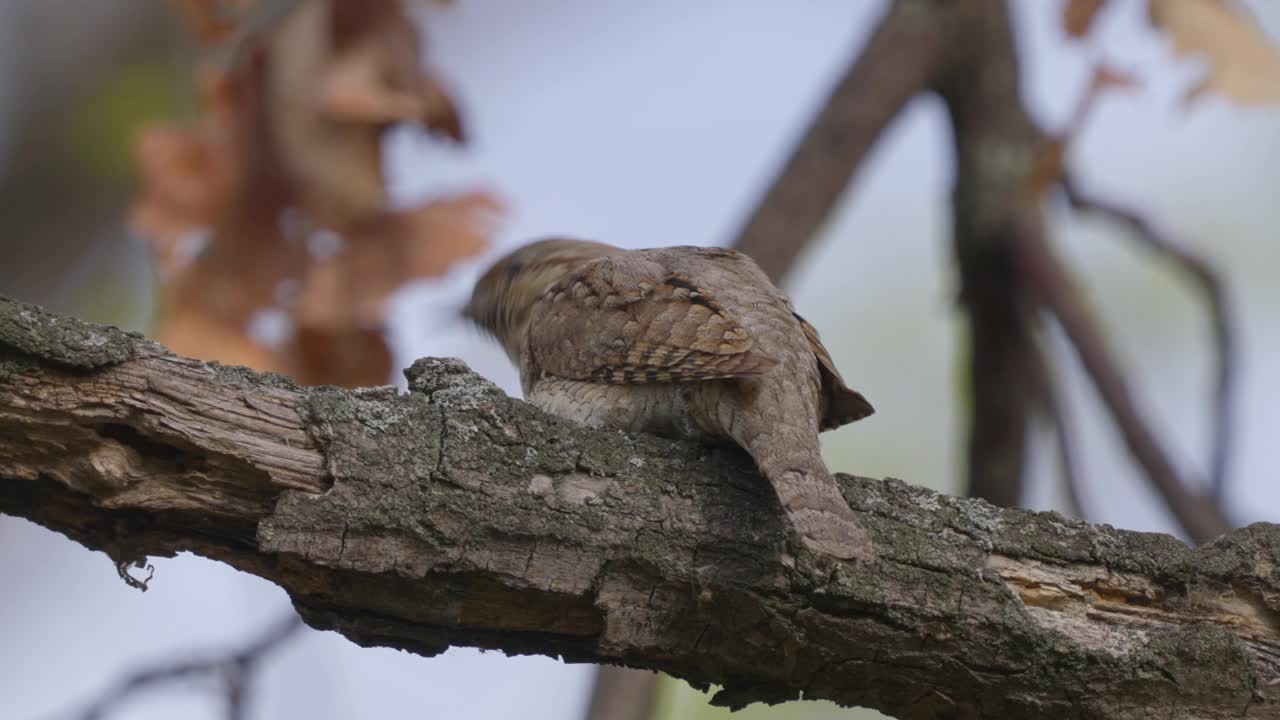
x=454, y=515
x=1215, y=297
x=892, y=68
x=1195, y=512
x=1055, y=410
x=995, y=146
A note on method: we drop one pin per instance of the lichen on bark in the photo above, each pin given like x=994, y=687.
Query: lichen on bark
x=454, y=515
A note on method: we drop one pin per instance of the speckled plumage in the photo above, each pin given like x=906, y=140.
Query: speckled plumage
x=684, y=342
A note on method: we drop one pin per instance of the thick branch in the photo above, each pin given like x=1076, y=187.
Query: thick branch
x=964, y=51
x=455, y=515
x=995, y=144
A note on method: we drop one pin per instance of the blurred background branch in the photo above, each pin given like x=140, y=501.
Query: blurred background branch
x=965, y=52
x=894, y=66
x=1201, y=271
x=233, y=671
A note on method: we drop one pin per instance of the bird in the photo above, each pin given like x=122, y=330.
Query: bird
x=685, y=342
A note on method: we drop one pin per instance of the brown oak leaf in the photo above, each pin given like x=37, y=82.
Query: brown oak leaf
x=1244, y=62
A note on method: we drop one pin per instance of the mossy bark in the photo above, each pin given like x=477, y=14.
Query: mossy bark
x=454, y=515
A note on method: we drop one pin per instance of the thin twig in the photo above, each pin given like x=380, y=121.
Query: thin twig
x=1215, y=295
x=1198, y=514
x=1056, y=412
x=122, y=569
x=234, y=670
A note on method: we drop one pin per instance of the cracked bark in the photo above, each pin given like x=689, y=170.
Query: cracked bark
x=454, y=515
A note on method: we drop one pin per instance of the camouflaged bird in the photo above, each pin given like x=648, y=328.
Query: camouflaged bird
x=681, y=342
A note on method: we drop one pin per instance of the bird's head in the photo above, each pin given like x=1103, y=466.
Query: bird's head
x=503, y=298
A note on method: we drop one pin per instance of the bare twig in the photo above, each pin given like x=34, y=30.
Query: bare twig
x=1056, y=411
x=234, y=670
x=1215, y=296
x=1199, y=516
x=1067, y=470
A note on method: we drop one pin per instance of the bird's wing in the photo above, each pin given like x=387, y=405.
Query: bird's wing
x=840, y=404
x=626, y=319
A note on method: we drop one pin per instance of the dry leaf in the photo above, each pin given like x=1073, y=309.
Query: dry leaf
x=357, y=358
x=349, y=288
x=188, y=176
x=189, y=327
x=1050, y=163
x=290, y=144
x=339, y=73
x=1244, y=63
x=213, y=21
x=367, y=83
x=185, y=186
x=1078, y=16
x=348, y=358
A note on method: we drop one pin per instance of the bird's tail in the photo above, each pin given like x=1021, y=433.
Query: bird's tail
x=813, y=501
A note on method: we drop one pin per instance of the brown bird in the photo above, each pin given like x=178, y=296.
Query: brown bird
x=682, y=342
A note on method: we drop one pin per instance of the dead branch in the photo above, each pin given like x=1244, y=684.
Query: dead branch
x=995, y=143
x=1202, y=273
x=1055, y=409
x=965, y=53
x=1196, y=513
x=454, y=515
x=234, y=671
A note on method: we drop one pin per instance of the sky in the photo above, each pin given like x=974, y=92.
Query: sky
x=661, y=123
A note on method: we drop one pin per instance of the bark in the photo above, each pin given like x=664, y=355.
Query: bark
x=996, y=145
x=454, y=515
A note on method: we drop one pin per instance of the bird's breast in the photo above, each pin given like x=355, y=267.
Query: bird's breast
x=658, y=408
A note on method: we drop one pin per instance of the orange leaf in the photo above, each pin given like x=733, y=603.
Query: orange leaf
x=348, y=358
x=1244, y=63
x=189, y=328
x=1050, y=164
x=208, y=19
x=182, y=179
x=339, y=72
x=350, y=288
x=378, y=78
x=1078, y=16
x=290, y=143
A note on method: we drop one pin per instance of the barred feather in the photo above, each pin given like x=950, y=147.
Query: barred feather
x=623, y=320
